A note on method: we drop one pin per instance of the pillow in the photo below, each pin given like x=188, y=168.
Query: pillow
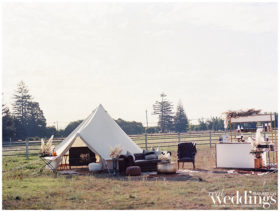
x=150, y=157
x=158, y=151
x=149, y=153
x=139, y=156
x=129, y=153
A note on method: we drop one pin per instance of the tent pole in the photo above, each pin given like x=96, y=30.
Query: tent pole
x=106, y=165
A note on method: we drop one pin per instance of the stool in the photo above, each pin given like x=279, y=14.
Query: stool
x=133, y=171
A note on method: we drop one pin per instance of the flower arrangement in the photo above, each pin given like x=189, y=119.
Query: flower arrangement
x=115, y=152
x=47, y=148
x=255, y=142
x=164, y=157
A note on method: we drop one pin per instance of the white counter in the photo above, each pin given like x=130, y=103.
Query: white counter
x=235, y=155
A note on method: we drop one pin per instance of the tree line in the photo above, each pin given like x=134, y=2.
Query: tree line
x=27, y=120
x=170, y=121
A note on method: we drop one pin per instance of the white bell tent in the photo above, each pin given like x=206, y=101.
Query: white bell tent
x=99, y=132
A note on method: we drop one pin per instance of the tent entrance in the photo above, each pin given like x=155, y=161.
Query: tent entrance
x=81, y=156
x=78, y=156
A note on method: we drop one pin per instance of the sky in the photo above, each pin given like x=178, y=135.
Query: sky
x=212, y=57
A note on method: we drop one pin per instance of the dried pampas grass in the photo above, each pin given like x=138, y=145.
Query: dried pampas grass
x=234, y=114
x=47, y=149
x=115, y=152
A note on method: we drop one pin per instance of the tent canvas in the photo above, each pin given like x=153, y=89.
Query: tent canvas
x=100, y=133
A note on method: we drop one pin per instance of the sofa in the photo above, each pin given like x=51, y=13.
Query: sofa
x=147, y=161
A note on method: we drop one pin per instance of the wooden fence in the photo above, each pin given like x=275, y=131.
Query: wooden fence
x=145, y=141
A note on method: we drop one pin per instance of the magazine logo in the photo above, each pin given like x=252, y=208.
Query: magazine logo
x=246, y=198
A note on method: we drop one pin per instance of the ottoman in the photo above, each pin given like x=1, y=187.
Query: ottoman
x=133, y=171
x=95, y=167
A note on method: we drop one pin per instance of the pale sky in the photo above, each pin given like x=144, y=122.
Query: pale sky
x=74, y=56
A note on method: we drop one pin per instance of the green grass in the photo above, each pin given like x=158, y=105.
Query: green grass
x=25, y=187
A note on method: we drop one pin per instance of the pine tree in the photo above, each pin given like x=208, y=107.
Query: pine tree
x=180, y=119
x=164, y=109
x=8, y=126
x=21, y=108
x=29, y=118
x=36, y=120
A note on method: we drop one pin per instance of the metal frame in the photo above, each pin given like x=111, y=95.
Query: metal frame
x=274, y=138
x=49, y=164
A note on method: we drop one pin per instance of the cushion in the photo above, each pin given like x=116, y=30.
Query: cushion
x=133, y=171
x=151, y=156
x=158, y=151
x=94, y=167
x=129, y=153
x=139, y=156
x=149, y=152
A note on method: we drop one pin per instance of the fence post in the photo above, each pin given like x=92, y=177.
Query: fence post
x=179, y=138
x=210, y=139
x=10, y=141
x=146, y=141
x=26, y=148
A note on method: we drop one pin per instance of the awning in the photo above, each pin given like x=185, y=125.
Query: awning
x=254, y=118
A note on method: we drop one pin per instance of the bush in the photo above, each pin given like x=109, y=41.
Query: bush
x=36, y=138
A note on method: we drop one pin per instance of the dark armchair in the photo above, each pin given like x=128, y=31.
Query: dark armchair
x=186, y=153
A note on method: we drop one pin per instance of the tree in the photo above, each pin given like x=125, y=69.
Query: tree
x=8, y=126
x=180, y=120
x=49, y=131
x=202, y=124
x=153, y=130
x=131, y=127
x=20, y=109
x=164, y=109
x=29, y=118
x=36, y=120
x=71, y=126
x=215, y=123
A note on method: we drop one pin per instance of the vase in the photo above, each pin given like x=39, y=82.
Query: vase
x=167, y=168
x=164, y=161
x=114, y=166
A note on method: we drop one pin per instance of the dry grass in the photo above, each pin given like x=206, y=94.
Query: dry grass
x=27, y=188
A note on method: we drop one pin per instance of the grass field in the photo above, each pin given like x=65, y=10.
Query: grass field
x=25, y=187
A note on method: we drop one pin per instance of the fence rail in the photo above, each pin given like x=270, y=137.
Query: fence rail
x=26, y=148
